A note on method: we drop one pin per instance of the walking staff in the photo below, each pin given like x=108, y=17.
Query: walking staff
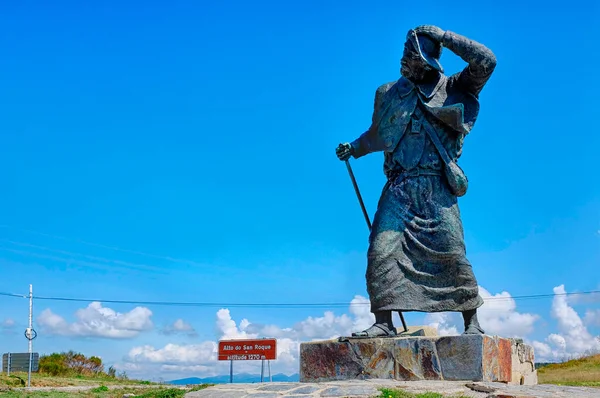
x=366, y=215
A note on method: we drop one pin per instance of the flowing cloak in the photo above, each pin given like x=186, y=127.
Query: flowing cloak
x=416, y=259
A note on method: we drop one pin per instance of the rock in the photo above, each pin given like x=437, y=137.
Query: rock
x=478, y=388
x=465, y=357
x=426, y=331
x=523, y=363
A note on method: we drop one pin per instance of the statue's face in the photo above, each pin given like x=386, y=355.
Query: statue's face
x=413, y=66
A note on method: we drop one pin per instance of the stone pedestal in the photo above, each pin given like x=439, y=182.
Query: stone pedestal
x=468, y=358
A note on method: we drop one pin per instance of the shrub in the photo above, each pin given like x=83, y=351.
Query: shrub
x=53, y=364
x=73, y=364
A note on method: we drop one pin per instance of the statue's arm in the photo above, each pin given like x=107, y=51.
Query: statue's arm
x=481, y=61
x=369, y=140
x=362, y=145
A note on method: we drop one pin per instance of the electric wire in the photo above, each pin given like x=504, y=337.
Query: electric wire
x=270, y=305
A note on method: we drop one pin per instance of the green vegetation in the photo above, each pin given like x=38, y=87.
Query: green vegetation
x=583, y=372
x=107, y=392
x=75, y=364
x=74, y=369
x=394, y=393
x=100, y=389
x=69, y=369
x=44, y=380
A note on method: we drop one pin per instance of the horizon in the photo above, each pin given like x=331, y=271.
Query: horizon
x=159, y=155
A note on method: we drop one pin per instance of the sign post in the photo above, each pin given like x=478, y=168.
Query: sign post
x=262, y=370
x=248, y=350
x=270, y=378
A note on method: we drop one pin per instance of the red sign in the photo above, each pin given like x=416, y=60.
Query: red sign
x=247, y=350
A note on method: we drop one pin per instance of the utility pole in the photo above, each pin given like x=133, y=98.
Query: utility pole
x=30, y=334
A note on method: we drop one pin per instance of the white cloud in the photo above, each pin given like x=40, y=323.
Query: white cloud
x=227, y=328
x=8, y=323
x=574, y=339
x=98, y=321
x=361, y=310
x=8, y=326
x=201, y=359
x=180, y=327
x=443, y=323
x=192, y=354
x=592, y=318
x=577, y=337
x=497, y=316
x=576, y=298
x=557, y=341
x=324, y=327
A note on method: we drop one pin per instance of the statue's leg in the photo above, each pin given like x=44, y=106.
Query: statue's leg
x=383, y=326
x=383, y=274
x=471, y=323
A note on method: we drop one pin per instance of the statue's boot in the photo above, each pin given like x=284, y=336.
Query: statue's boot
x=471, y=323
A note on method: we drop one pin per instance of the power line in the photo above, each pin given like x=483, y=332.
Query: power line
x=13, y=295
x=273, y=305
x=200, y=304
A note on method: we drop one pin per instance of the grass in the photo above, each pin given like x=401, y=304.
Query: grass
x=107, y=392
x=41, y=380
x=393, y=393
x=582, y=372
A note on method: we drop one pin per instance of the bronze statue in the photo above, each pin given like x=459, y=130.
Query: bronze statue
x=416, y=259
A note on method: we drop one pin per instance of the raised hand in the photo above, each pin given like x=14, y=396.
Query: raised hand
x=432, y=31
x=344, y=151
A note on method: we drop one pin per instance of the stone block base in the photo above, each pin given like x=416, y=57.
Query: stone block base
x=468, y=358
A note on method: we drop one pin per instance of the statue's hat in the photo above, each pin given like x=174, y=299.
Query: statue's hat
x=427, y=48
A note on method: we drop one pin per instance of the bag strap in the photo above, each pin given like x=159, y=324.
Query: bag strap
x=436, y=141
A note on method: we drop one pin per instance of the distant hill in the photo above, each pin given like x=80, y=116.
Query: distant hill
x=237, y=378
x=584, y=371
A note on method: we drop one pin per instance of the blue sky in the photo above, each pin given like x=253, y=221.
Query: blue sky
x=186, y=152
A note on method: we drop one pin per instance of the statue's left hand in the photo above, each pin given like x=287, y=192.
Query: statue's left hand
x=432, y=31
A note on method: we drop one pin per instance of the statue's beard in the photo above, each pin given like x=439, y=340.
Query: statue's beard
x=415, y=75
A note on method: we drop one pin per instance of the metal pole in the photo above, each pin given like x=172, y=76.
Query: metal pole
x=269, y=365
x=231, y=371
x=262, y=370
x=9, y=358
x=30, y=334
x=366, y=215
